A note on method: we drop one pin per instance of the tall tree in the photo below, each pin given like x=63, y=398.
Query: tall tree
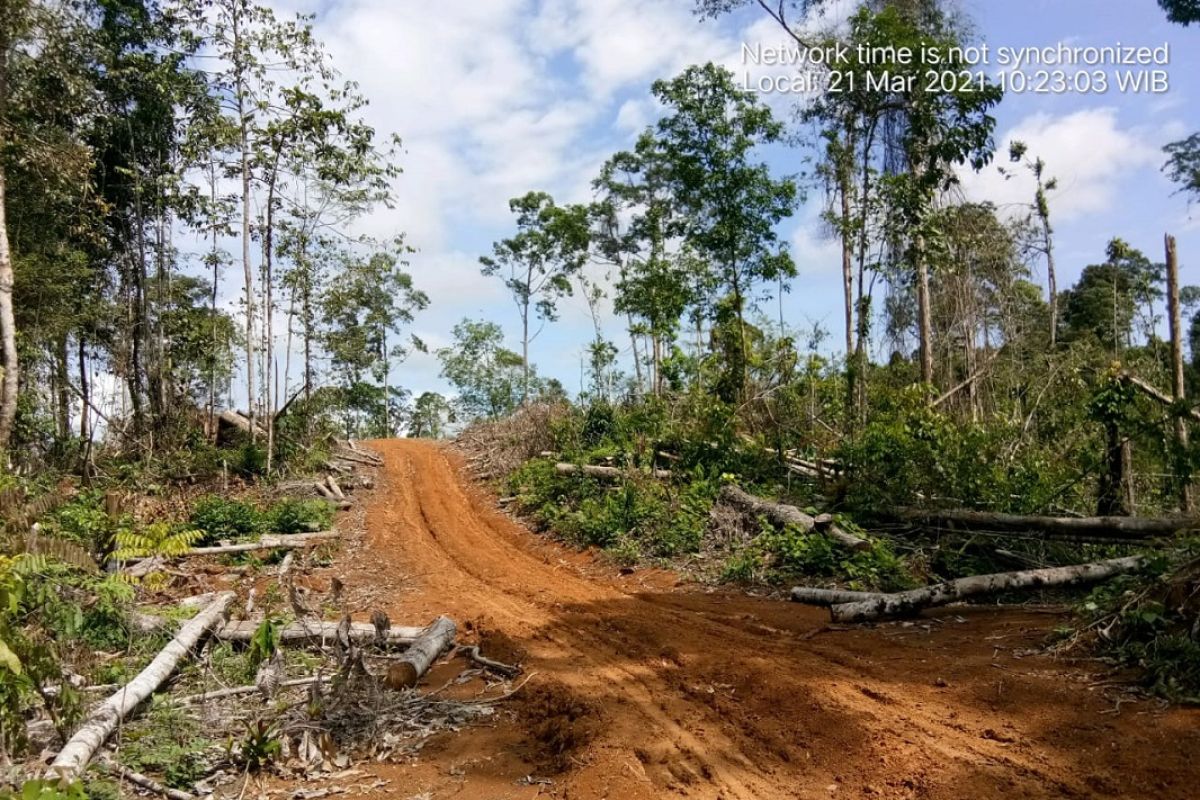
x=1045, y=233
x=489, y=378
x=730, y=201
x=537, y=264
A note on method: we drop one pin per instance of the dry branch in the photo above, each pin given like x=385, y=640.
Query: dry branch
x=910, y=602
x=77, y=752
x=607, y=473
x=146, y=782
x=1102, y=529
x=423, y=651
x=782, y=514
x=314, y=631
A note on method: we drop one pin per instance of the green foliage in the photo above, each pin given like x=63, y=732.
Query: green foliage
x=781, y=555
x=44, y=789
x=221, y=518
x=295, y=515
x=168, y=742
x=488, y=377
x=263, y=643
x=161, y=539
x=260, y=745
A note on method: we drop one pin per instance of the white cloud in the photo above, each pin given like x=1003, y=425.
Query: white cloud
x=1087, y=151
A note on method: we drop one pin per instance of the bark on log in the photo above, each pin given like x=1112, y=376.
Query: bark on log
x=608, y=473
x=423, y=651
x=1078, y=528
x=828, y=597
x=912, y=601
x=333, y=487
x=782, y=514
x=77, y=752
x=287, y=541
x=314, y=631
x=237, y=420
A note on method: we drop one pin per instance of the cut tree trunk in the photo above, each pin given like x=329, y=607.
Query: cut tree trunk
x=423, y=651
x=314, y=631
x=1101, y=529
x=828, y=597
x=781, y=514
x=608, y=473
x=907, y=603
x=288, y=541
x=77, y=752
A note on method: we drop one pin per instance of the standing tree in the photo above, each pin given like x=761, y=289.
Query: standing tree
x=1045, y=234
x=489, y=377
x=729, y=200
x=537, y=264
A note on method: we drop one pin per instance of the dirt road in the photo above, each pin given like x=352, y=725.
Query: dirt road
x=719, y=695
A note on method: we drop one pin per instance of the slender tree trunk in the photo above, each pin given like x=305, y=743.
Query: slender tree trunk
x=10, y=383
x=269, y=312
x=248, y=273
x=924, y=314
x=1052, y=280
x=62, y=396
x=637, y=361
x=1177, y=383
x=212, y=306
x=84, y=390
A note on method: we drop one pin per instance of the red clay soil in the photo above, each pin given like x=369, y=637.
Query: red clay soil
x=651, y=688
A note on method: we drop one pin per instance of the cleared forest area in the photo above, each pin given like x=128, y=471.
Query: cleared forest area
x=296, y=503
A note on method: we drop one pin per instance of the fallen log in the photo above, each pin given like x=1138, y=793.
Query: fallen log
x=782, y=514
x=828, y=597
x=286, y=541
x=333, y=487
x=78, y=751
x=317, y=631
x=1102, y=529
x=608, y=473
x=423, y=651
x=908, y=603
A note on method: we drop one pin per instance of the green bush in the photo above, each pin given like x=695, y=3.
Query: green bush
x=167, y=742
x=220, y=518
x=293, y=515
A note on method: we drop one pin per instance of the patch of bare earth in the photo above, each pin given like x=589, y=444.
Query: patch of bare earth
x=643, y=687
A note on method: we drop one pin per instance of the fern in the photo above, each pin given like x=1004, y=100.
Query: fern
x=159, y=539
x=67, y=552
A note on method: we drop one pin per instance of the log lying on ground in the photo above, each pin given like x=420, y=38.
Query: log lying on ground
x=828, y=597
x=285, y=541
x=146, y=782
x=77, y=752
x=317, y=631
x=782, y=514
x=423, y=651
x=239, y=421
x=1102, y=529
x=899, y=604
x=608, y=473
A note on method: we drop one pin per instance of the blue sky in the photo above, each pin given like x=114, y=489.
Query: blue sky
x=498, y=97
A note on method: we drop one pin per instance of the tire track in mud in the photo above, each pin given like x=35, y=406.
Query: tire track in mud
x=720, y=695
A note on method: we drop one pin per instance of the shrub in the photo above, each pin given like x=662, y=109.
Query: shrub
x=293, y=515
x=168, y=742
x=220, y=518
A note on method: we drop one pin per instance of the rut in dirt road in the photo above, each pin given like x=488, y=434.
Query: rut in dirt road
x=724, y=695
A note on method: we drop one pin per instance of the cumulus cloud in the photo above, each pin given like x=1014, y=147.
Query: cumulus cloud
x=1088, y=151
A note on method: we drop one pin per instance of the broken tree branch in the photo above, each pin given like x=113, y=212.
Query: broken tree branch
x=910, y=602
x=828, y=597
x=77, y=752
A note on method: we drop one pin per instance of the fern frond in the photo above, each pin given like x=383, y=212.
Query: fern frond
x=67, y=552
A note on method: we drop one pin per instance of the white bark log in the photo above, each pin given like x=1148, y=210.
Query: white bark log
x=912, y=601
x=77, y=752
x=828, y=597
x=315, y=631
x=423, y=651
x=607, y=473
